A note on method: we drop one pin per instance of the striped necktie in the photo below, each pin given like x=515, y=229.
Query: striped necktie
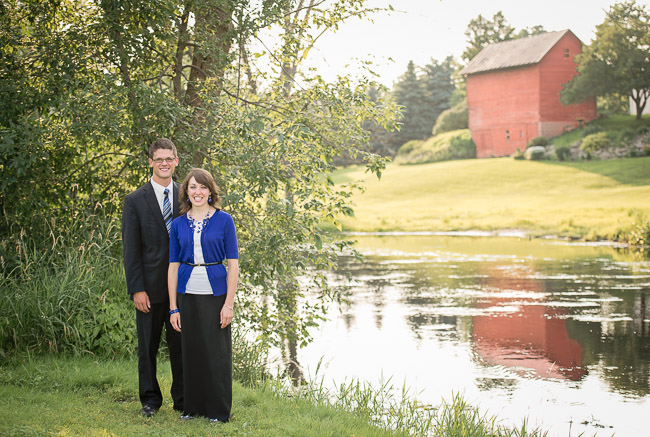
x=167, y=210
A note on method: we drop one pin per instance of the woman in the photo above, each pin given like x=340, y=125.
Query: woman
x=202, y=295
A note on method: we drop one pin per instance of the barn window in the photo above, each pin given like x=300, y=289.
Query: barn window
x=507, y=135
x=567, y=53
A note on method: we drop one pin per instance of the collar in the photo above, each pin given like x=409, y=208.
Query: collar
x=160, y=189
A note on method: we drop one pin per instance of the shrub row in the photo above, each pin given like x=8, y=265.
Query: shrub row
x=449, y=145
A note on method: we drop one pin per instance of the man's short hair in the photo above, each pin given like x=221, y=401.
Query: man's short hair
x=161, y=143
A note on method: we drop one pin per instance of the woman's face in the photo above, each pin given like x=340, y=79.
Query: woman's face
x=197, y=193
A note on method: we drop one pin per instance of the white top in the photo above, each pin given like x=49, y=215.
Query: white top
x=160, y=193
x=198, y=282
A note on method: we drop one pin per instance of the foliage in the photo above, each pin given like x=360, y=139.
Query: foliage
x=438, y=88
x=518, y=155
x=380, y=135
x=449, y=145
x=563, y=153
x=423, y=96
x=595, y=142
x=534, y=153
x=591, y=128
x=638, y=235
x=89, y=85
x=616, y=62
x=482, y=32
x=625, y=137
x=613, y=104
x=452, y=119
x=68, y=296
x=538, y=141
x=409, y=147
x=612, y=125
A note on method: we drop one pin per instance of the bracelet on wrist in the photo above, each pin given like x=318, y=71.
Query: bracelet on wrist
x=174, y=311
x=229, y=307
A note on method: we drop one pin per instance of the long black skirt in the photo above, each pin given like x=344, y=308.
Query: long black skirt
x=207, y=357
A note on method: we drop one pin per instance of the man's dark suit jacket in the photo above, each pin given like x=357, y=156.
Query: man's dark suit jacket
x=146, y=243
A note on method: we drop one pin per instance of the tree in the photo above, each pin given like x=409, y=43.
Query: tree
x=408, y=93
x=101, y=79
x=422, y=97
x=438, y=87
x=617, y=62
x=482, y=32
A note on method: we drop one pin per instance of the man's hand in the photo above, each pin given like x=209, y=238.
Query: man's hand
x=141, y=301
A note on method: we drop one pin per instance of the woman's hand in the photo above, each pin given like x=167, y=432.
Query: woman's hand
x=226, y=315
x=175, y=320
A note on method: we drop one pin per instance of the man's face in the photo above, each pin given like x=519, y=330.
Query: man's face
x=163, y=164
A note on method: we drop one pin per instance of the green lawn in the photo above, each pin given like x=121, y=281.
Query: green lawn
x=66, y=396
x=87, y=397
x=579, y=199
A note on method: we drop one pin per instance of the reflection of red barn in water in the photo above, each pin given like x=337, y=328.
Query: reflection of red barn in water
x=533, y=338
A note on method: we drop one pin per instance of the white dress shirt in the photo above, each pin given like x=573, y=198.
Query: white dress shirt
x=160, y=193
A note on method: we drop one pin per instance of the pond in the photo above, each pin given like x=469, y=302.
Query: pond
x=554, y=332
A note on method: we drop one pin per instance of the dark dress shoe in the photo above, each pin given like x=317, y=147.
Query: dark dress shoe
x=148, y=411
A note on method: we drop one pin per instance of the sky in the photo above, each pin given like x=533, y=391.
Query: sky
x=420, y=30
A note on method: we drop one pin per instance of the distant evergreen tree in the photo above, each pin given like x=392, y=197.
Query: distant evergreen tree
x=438, y=85
x=422, y=97
x=409, y=94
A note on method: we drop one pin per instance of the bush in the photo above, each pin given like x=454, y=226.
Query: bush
x=518, y=154
x=626, y=136
x=535, y=153
x=563, y=153
x=409, y=146
x=449, y=145
x=595, y=142
x=537, y=142
x=452, y=119
x=591, y=129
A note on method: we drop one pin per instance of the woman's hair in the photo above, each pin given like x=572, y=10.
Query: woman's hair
x=202, y=177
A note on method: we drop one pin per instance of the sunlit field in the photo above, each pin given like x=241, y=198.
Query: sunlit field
x=583, y=199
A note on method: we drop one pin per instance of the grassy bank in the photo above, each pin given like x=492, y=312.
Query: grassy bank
x=65, y=396
x=54, y=395
x=578, y=199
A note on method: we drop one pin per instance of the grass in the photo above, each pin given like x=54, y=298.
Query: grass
x=83, y=396
x=60, y=395
x=608, y=124
x=580, y=199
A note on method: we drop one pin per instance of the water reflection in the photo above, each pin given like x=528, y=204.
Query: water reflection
x=513, y=324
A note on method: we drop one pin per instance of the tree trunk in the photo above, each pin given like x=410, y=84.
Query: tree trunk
x=214, y=35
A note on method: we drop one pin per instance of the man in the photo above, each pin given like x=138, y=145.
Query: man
x=146, y=218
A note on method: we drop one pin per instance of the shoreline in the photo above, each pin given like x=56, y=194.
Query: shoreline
x=502, y=233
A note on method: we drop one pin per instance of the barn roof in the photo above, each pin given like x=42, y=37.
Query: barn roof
x=514, y=53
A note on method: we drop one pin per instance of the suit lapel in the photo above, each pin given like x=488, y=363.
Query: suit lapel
x=152, y=202
x=177, y=203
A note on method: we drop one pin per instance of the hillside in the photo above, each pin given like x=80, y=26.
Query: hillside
x=576, y=199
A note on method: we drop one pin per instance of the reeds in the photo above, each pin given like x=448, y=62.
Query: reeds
x=397, y=410
x=66, y=292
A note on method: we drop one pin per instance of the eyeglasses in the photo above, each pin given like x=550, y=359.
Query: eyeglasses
x=165, y=160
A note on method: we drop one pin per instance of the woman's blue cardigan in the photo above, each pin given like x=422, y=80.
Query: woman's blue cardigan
x=218, y=242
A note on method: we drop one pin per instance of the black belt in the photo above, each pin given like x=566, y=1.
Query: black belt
x=203, y=264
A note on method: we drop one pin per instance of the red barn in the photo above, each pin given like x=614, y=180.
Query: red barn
x=513, y=92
